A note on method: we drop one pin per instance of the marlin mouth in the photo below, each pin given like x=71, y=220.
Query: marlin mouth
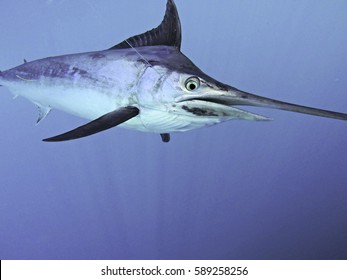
x=222, y=100
x=213, y=107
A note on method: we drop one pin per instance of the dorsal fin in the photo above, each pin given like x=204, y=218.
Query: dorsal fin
x=168, y=33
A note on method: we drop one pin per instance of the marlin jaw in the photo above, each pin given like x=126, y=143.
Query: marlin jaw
x=143, y=83
x=213, y=100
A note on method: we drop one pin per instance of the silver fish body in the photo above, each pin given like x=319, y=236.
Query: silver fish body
x=92, y=84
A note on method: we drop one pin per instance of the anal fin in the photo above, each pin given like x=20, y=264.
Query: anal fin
x=43, y=112
x=105, y=122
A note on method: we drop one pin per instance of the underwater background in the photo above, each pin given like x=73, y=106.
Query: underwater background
x=238, y=190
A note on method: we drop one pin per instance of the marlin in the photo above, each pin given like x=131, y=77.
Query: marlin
x=144, y=83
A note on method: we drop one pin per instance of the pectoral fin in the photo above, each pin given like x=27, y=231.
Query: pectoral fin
x=105, y=122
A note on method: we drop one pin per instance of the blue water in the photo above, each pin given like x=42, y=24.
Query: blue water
x=239, y=190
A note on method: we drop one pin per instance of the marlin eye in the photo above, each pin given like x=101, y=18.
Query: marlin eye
x=192, y=84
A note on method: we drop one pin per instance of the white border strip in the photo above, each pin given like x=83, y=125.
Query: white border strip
x=111, y=269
